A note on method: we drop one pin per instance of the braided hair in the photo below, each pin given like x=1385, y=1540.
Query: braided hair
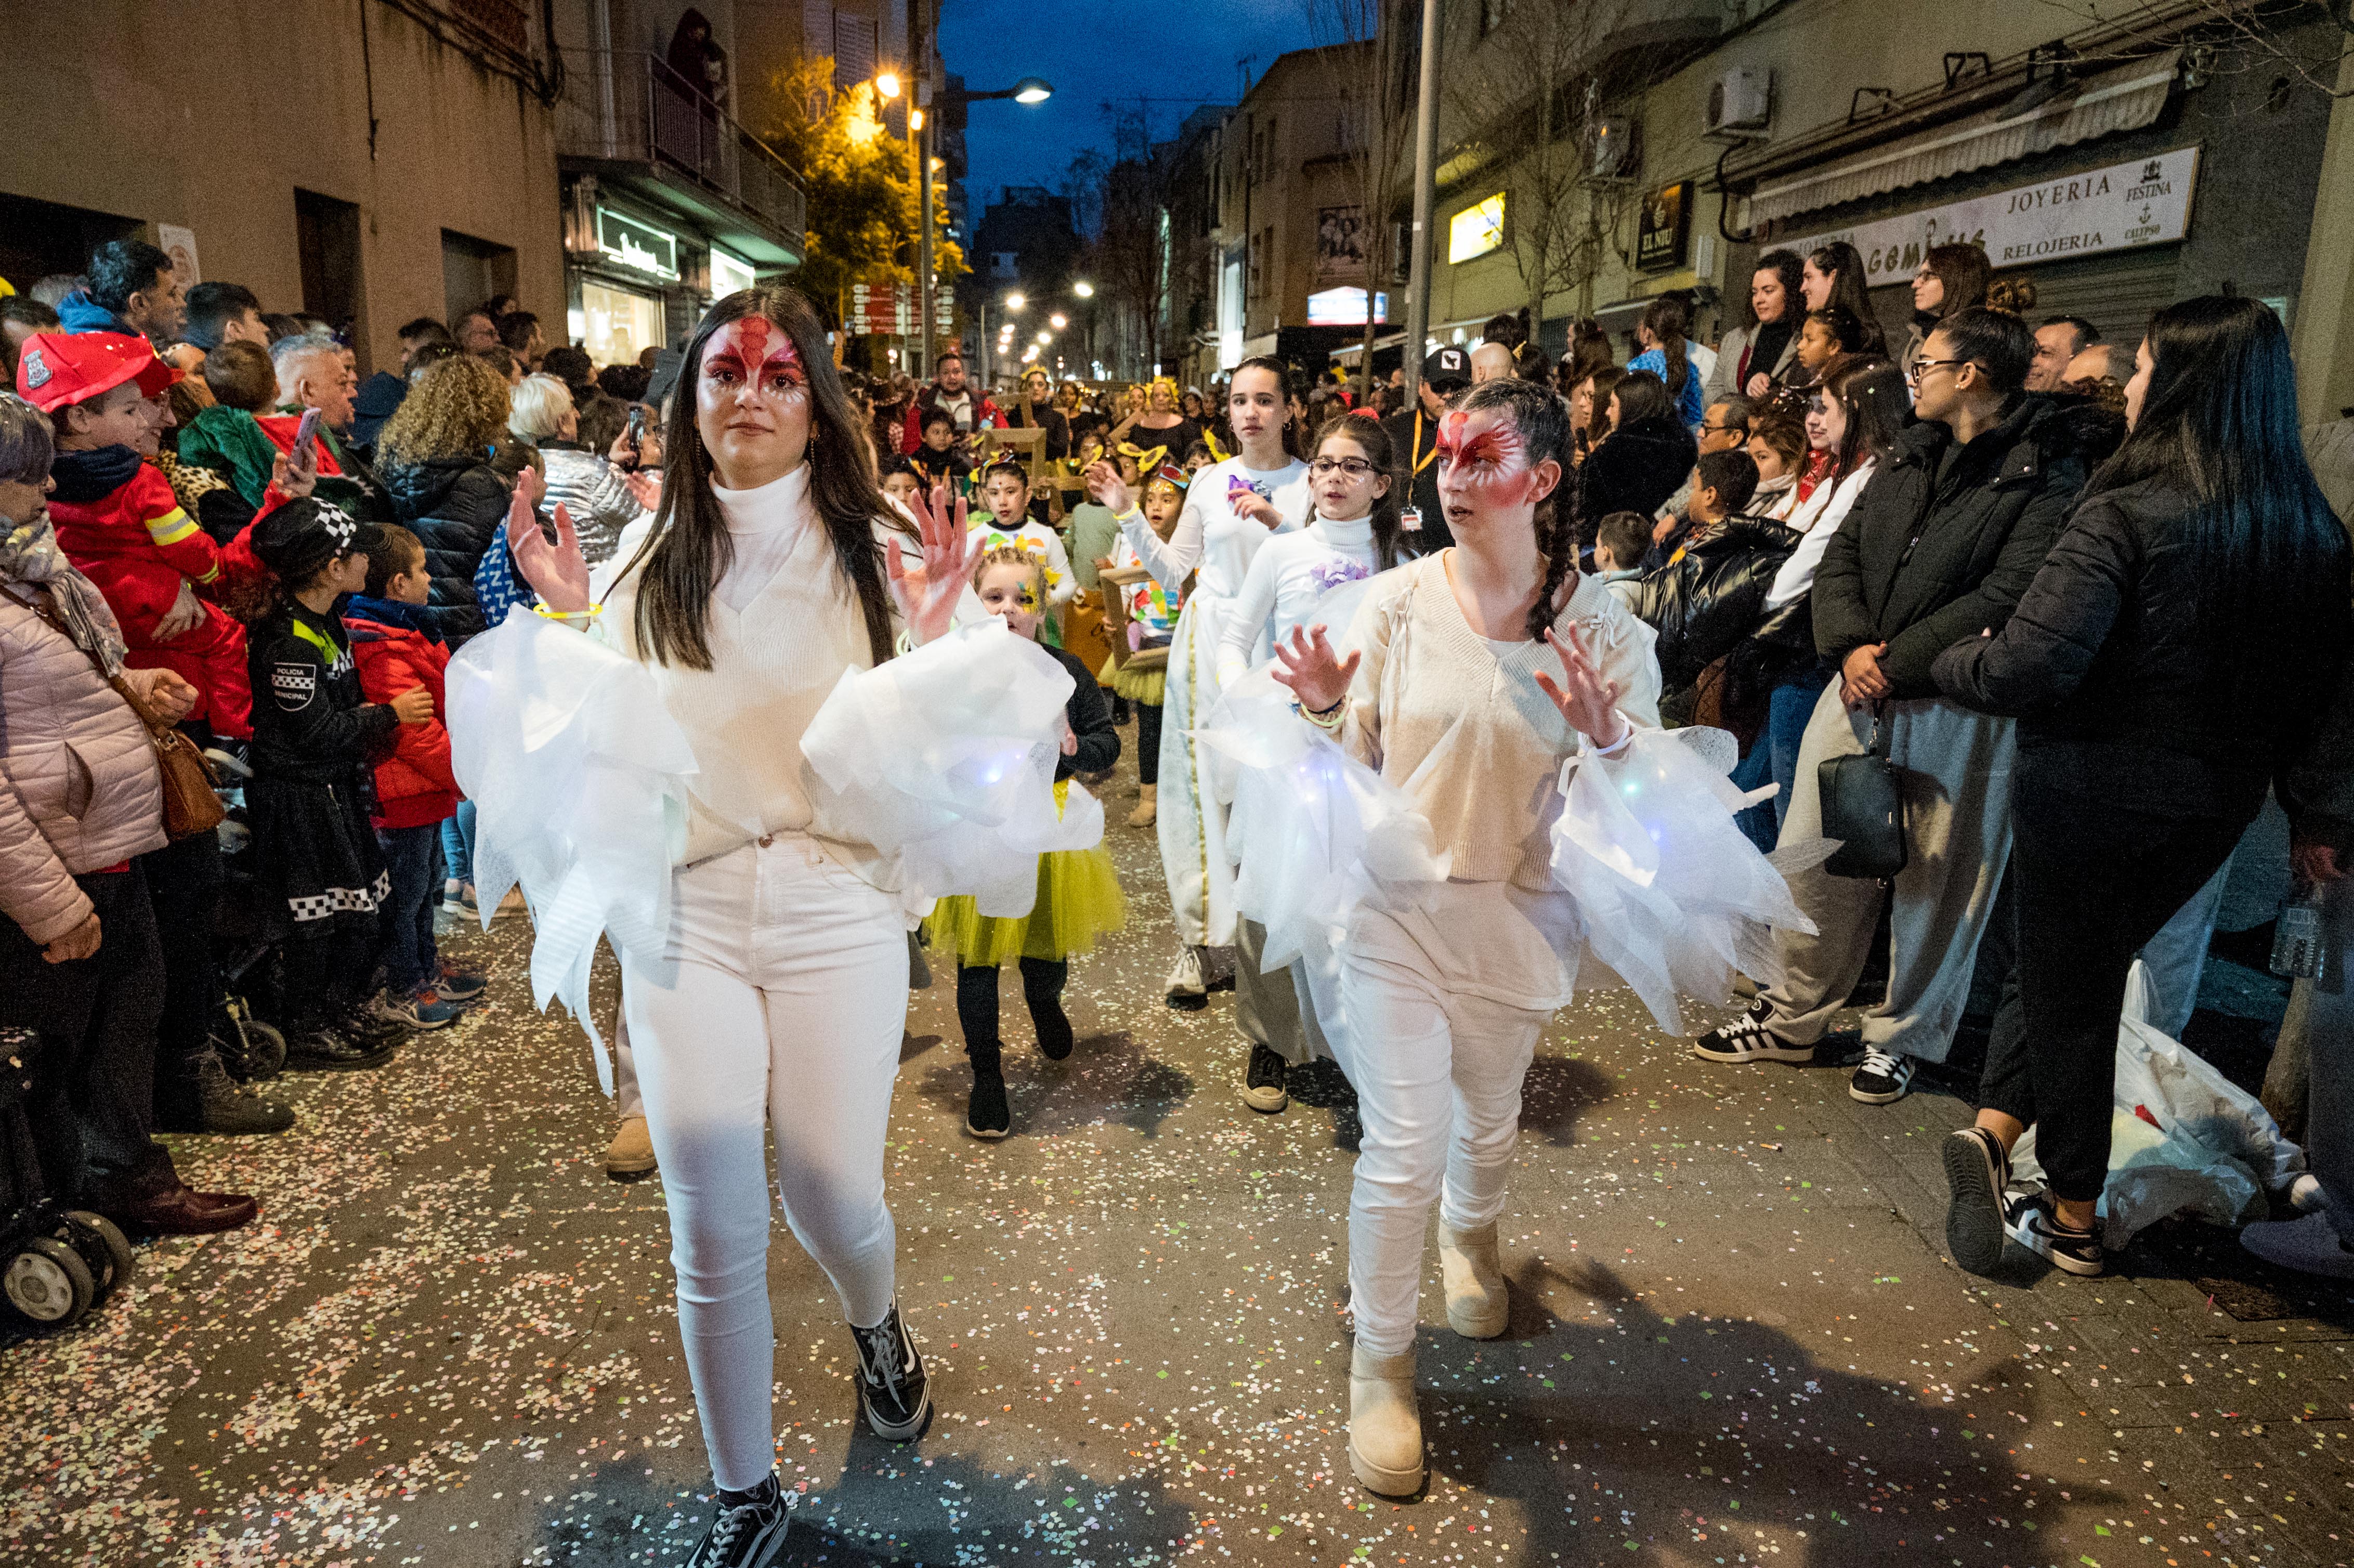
x=1543, y=421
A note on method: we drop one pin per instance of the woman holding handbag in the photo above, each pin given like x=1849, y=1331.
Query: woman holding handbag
x=81, y=796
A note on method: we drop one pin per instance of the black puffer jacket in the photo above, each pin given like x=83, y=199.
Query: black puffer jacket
x=2170, y=707
x=457, y=506
x=1635, y=469
x=1926, y=559
x=1703, y=605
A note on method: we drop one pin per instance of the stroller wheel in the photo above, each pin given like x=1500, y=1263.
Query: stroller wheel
x=254, y=1051
x=103, y=1246
x=48, y=1282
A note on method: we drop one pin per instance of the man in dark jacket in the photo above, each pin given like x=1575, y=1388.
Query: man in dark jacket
x=133, y=290
x=969, y=407
x=1414, y=436
x=1939, y=546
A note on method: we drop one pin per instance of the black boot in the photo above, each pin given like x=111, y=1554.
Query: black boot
x=1041, y=987
x=987, y=1115
x=211, y=1101
x=892, y=1389
x=321, y=1049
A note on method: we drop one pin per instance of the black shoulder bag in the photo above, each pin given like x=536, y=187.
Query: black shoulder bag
x=1864, y=810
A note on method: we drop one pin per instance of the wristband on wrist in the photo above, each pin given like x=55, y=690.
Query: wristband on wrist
x=591, y=613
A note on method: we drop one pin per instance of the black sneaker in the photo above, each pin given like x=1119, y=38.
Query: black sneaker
x=1264, y=1081
x=986, y=1114
x=212, y=1101
x=2034, y=1223
x=324, y=1050
x=1883, y=1079
x=364, y=1024
x=1746, y=1039
x=892, y=1388
x=746, y=1534
x=1055, y=1036
x=1977, y=1172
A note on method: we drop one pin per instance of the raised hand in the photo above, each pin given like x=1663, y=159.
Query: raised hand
x=927, y=593
x=556, y=572
x=294, y=480
x=1307, y=664
x=1250, y=504
x=1109, y=488
x=1585, y=697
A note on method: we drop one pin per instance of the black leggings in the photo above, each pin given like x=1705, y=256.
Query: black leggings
x=1041, y=987
x=2093, y=883
x=1148, y=743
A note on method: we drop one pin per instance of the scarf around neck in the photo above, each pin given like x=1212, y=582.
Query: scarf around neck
x=29, y=557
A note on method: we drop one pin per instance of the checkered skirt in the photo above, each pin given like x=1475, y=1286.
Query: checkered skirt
x=315, y=849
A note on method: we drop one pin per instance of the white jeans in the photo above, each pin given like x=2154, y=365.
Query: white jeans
x=777, y=1007
x=1437, y=1059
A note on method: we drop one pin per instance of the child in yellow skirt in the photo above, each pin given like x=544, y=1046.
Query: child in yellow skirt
x=1152, y=621
x=1078, y=892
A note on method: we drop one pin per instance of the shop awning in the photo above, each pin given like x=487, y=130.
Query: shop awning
x=2125, y=98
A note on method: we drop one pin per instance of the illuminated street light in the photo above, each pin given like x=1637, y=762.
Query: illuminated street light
x=1084, y=289
x=1014, y=302
x=1030, y=90
x=915, y=120
x=1058, y=321
x=887, y=83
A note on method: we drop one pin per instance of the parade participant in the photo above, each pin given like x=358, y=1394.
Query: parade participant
x=1005, y=486
x=744, y=754
x=1230, y=511
x=1351, y=533
x=1152, y=614
x=1553, y=832
x=1078, y=891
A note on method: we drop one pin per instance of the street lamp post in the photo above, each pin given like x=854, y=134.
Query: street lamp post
x=1013, y=303
x=1030, y=90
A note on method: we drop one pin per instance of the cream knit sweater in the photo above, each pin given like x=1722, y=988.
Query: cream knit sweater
x=1459, y=724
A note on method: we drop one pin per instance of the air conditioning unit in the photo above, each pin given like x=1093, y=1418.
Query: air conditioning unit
x=1740, y=102
x=1614, y=147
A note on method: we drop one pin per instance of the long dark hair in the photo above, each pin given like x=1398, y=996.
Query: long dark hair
x=2218, y=424
x=1671, y=324
x=1641, y=395
x=1790, y=267
x=1381, y=452
x=1964, y=269
x=688, y=551
x=1604, y=381
x=1589, y=349
x=1878, y=404
x=1843, y=264
x=1282, y=374
x=1543, y=421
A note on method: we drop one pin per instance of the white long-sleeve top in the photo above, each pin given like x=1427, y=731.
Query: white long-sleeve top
x=1036, y=537
x=1818, y=517
x=783, y=627
x=1209, y=539
x=1288, y=575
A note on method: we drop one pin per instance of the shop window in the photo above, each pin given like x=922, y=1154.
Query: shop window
x=618, y=325
x=472, y=271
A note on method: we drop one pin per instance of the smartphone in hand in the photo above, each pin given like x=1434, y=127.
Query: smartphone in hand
x=637, y=432
x=306, y=437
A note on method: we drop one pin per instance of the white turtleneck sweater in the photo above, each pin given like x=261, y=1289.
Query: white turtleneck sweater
x=1210, y=544
x=1288, y=575
x=783, y=628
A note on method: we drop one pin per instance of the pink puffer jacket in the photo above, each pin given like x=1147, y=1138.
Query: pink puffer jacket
x=79, y=789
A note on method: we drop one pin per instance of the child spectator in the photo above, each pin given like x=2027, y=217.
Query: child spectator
x=397, y=649
x=1078, y=891
x=936, y=458
x=1720, y=489
x=307, y=801
x=1623, y=537
x=118, y=522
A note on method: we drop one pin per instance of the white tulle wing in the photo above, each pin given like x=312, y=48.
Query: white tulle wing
x=1672, y=896
x=579, y=783
x=943, y=759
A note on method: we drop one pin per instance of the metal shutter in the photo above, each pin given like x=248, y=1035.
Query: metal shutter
x=2116, y=293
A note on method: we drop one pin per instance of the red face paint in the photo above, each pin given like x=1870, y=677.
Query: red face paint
x=1483, y=463
x=753, y=349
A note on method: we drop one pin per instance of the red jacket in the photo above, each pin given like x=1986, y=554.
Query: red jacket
x=137, y=544
x=985, y=413
x=413, y=786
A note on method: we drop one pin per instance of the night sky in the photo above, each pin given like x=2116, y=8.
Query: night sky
x=1185, y=50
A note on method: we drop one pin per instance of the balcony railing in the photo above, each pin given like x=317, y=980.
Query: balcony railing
x=625, y=106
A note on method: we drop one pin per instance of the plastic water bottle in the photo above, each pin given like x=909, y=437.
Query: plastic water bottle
x=2296, y=937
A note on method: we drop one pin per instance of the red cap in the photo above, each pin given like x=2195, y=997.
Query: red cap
x=55, y=370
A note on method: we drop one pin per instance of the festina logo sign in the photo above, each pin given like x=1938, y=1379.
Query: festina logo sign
x=2121, y=208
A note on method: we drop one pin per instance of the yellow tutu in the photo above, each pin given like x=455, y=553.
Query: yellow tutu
x=1079, y=900
x=1146, y=687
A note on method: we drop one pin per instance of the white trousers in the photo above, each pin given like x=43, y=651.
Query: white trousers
x=777, y=1007
x=1437, y=1066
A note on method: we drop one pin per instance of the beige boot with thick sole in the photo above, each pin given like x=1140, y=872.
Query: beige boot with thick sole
x=1477, y=1305
x=1148, y=807
x=630, y=1156
x=1385, y=1427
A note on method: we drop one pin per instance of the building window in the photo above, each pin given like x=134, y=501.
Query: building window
x=617, y=325
x=1002, y=264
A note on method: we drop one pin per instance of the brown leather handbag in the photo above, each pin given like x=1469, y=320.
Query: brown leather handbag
x=190, y=805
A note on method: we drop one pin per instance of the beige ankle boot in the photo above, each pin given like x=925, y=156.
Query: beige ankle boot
x=1385, y=1427
x=630, y=1156
x=1148, y=808
x=1477, y=1305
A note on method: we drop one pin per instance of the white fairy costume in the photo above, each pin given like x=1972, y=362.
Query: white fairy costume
x=751, y=838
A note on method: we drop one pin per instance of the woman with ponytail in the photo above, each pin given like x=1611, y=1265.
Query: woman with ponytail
x=1531, y=817
x=744, y=766
x=1666, y=335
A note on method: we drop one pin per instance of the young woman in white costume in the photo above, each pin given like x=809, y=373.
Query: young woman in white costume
x=1511, y=705
x=1231, y=510
x=767, y=990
